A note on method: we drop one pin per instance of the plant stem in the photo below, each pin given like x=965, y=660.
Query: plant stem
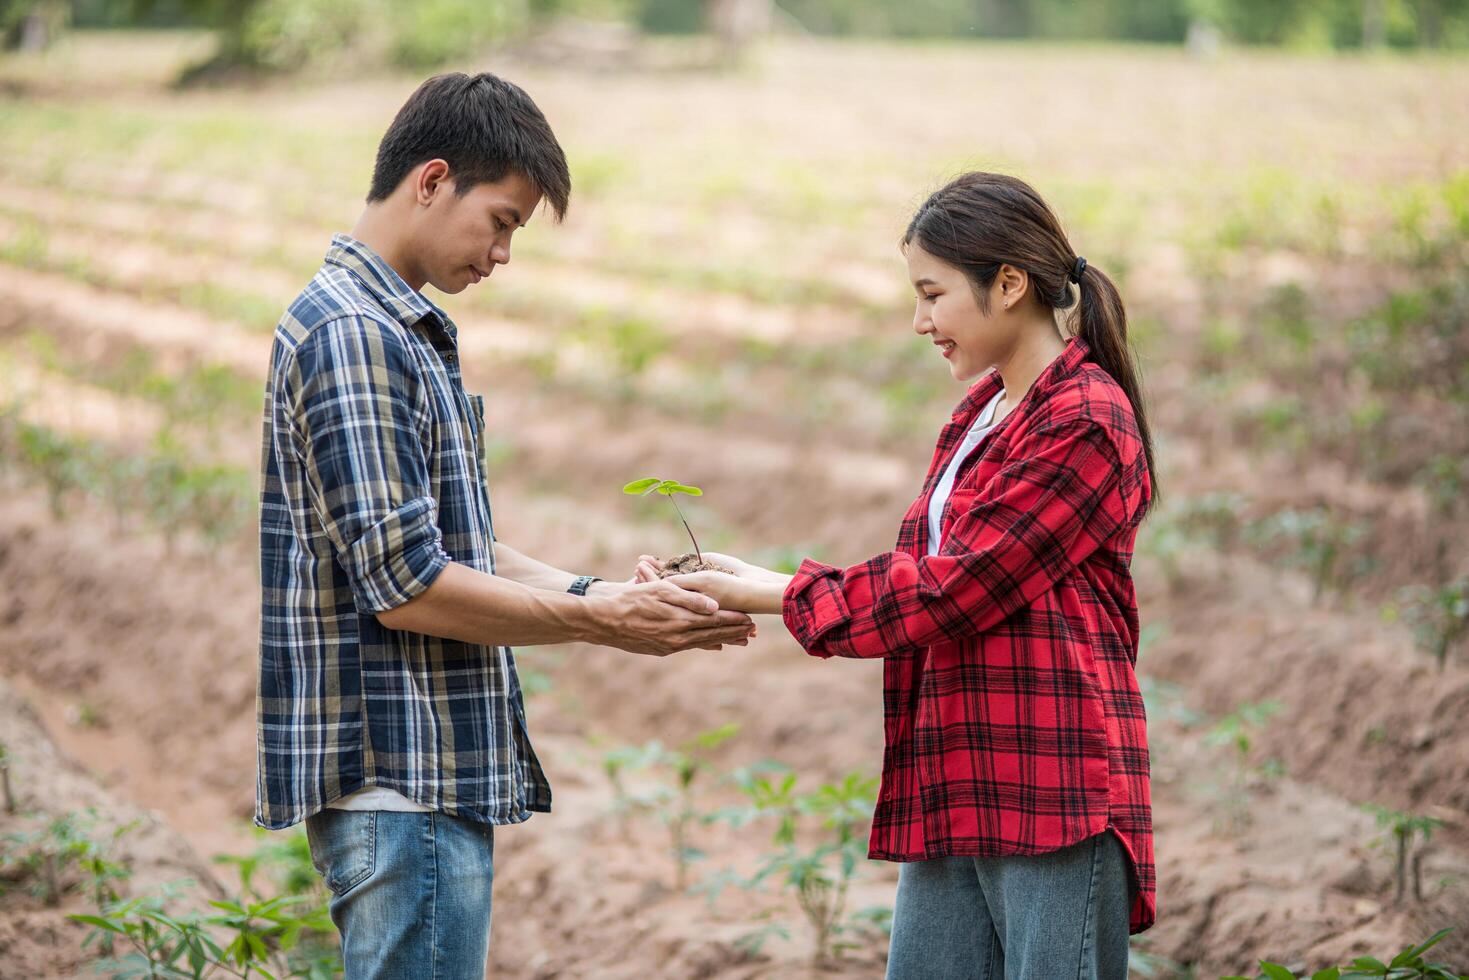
x=686, y=527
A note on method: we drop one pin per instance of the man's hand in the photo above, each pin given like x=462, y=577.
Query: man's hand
x=659, y=618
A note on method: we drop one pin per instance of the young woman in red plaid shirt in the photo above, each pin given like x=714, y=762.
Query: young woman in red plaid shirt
x=1015, y=776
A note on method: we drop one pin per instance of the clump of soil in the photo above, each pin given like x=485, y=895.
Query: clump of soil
x=690, y=562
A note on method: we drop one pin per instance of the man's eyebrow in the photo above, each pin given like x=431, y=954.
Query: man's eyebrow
x=924, y=282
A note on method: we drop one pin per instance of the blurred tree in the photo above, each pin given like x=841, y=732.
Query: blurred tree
x=32, y=25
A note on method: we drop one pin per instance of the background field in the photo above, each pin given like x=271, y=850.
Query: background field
x=726, y=304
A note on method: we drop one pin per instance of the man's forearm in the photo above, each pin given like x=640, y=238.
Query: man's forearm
x=522, y=568
x=474, y=607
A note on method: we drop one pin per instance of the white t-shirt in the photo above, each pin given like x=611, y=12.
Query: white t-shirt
x=377, y=798
x=977, y=431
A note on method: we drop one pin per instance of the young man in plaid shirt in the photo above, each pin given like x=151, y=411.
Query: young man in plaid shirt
x=390, y=718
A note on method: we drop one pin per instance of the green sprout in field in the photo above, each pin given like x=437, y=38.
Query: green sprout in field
x=668, y=488
x=673, y=801
x=50, y=852
x=818, y=848
x=1439, y=617
x=1407, y=965
x=1237, y=730
x=1406, y=829
x=5, y=778
x=288, y=935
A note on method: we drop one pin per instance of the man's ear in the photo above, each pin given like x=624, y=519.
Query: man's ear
x=431, y=179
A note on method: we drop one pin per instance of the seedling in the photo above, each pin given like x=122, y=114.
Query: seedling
x=1406, y=828
x=1439, y=617
x=675, y=804
x=818, y=853
x=1236, y=730
x=671, y=489
x=1407, y=965
x=5, y=779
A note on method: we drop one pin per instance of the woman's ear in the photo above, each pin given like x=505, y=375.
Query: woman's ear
x=1011, y=282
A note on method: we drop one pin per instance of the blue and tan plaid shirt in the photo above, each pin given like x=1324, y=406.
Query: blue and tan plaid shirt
x=373, y=480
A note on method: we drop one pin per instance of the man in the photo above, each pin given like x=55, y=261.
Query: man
x=390, y=718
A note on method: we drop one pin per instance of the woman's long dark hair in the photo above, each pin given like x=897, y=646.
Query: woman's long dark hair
x=980, y=221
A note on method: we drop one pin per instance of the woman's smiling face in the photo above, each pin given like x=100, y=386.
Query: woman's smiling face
x=948, y=313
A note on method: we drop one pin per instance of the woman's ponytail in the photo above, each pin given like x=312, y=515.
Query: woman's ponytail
x=1102, y=323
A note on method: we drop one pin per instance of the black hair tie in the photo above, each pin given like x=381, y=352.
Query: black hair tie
x=1077, y=270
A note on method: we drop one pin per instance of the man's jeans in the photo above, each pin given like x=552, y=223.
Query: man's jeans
x=1056, y=916
x=410, y=891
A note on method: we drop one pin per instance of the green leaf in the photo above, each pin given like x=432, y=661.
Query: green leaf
x=1275, y=971
x=1413, y=952
x=674, y=488
x=1330, y=973
x=641, y=486
x=98, y=921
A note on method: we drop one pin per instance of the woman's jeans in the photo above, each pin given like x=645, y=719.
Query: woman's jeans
x=410, y=891
x=1056, y=916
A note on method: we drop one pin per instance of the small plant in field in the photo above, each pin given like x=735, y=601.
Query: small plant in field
x=1439, y=617
x=1318, y=540
x=818, y=847
x=1407, y=965
x=52, y=852
x=5, y=779
x=1236, y=731
x=674, y=800
x=271, y=939
x=670, y=489
x=285, y=858
x=1408, y=831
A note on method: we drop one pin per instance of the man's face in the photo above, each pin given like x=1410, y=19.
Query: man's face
x=461, y=239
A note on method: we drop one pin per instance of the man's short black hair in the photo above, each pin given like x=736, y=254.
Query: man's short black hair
x=482, y=126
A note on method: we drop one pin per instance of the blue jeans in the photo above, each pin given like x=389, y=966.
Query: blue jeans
x=410, y=891
x=1056, y=916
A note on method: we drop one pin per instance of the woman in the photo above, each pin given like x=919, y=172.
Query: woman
x=1015, y=777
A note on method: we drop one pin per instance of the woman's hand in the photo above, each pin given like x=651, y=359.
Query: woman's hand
x=649, y=567
x=745, y=594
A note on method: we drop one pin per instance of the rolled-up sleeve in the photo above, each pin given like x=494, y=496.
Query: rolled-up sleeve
x=355, y=404
x=1040, y=516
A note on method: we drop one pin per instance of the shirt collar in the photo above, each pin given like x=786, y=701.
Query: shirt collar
x=1063, y=366
x=407, y=305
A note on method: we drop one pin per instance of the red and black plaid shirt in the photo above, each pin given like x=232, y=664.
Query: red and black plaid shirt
x=1013, y=719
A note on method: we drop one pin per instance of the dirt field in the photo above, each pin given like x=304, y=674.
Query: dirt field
x=726, y=305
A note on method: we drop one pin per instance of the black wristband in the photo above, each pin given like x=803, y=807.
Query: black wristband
x=580, y=586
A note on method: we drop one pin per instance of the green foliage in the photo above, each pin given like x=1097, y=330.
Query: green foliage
x=6, y=790
x=817, y=849
x=1236, y=731
x=170, y=490
x=1438, y=616
x=286, y=936
x=64, y=846
x=1404, y=829
x=673, y=799
x=1407, y=965
x=1319, y=540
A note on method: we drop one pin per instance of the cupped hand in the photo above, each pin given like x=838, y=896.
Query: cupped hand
x=660, y=618
x=752, y=595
